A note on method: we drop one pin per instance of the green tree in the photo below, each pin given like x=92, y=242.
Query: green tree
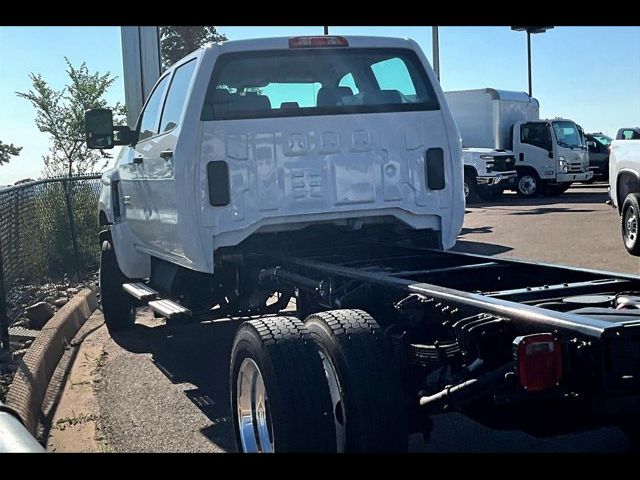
x=60, y=114
x=7, y=151
x=179, y=41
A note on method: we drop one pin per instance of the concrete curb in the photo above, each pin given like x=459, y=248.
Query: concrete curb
x=29, y=386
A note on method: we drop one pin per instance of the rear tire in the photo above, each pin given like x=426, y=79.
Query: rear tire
x=630, y=223
x=118, y=307
x=370, y=411
x=279, y=390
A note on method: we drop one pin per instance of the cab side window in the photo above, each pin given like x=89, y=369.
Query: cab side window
x=151, y=114
x=177, y=96
x=536, y=134
x=630, y=135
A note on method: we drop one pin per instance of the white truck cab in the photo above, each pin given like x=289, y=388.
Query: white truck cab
x=256, y=137
x=550, y=155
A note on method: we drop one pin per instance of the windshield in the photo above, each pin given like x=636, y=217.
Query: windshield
x=287, y=83
x=603, y=139
x=567, y=134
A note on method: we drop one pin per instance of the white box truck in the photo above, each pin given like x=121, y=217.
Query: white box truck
x=549, y=154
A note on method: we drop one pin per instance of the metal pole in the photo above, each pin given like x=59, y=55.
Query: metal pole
x=529, y=60
x=436, y=51
x=14, y=437
x=72, y=228
x=326, y=30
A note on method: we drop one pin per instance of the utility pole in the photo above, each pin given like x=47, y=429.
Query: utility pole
x=326, y=30
x=436, y=51
x=529, y=31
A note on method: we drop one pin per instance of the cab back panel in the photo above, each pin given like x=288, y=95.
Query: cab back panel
x=290, y=170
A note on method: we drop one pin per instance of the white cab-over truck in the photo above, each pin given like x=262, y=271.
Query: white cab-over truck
x=549, y=154
x=624, y=188
x=328, y=171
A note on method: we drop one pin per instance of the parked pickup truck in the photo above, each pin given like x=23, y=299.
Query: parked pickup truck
x=328, y=171
x=598, y=145
x=624, y=189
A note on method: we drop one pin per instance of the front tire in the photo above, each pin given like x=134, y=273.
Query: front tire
x=279, y=396
x=630, y=223
x=118, y=307
x=470, y=187
x=369, y=408
x=528, y=184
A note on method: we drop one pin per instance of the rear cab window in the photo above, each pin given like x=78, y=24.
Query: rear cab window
x=302, y=82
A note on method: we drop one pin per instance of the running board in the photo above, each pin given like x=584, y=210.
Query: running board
x=140, y=291
x=169, y=309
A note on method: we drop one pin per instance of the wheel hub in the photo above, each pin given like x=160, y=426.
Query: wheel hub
x=254, y=419
x=527, y=184
x=337, y=402
x=631, y=225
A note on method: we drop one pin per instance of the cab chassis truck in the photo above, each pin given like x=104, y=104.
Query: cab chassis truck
x=389, y=328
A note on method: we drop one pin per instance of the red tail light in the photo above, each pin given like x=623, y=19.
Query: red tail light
x=312, y=42
x=539, y=361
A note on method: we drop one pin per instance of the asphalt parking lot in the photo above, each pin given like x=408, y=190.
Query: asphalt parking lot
x=165, y=389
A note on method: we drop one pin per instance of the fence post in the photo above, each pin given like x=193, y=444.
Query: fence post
x=72, y=227
x=4, y=320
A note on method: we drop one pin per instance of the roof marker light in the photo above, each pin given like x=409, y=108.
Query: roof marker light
x=319, y=41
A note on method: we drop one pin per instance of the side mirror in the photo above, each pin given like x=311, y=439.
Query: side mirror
x=98, y=124
x=591, y=145
x=100, y=131
x=550, y=153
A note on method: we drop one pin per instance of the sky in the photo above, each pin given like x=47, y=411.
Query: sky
x=588, y=74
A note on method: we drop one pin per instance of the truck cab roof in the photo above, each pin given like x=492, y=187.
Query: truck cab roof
x=275, y=43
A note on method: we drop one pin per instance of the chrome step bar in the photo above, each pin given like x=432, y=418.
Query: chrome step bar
x=169, y=309
x=140, y=291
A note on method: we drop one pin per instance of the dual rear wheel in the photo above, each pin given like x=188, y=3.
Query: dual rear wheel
x=326, y=385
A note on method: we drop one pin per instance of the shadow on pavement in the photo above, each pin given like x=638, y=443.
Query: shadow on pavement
x=480, y=248
x=470, y=230
x=198, y=354
x=595, y=194
x=541, y=210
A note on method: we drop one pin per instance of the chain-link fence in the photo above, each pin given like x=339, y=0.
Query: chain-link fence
x=48, y=230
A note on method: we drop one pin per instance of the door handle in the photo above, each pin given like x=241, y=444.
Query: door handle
x=138, y=160
x=521, y=156
x=126, y=199
x=166, y=154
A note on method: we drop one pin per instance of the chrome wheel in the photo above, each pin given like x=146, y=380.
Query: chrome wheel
x=337, y=402
x=466, y=190
x=254, y=418
x=630, y=226
x=527, y=184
